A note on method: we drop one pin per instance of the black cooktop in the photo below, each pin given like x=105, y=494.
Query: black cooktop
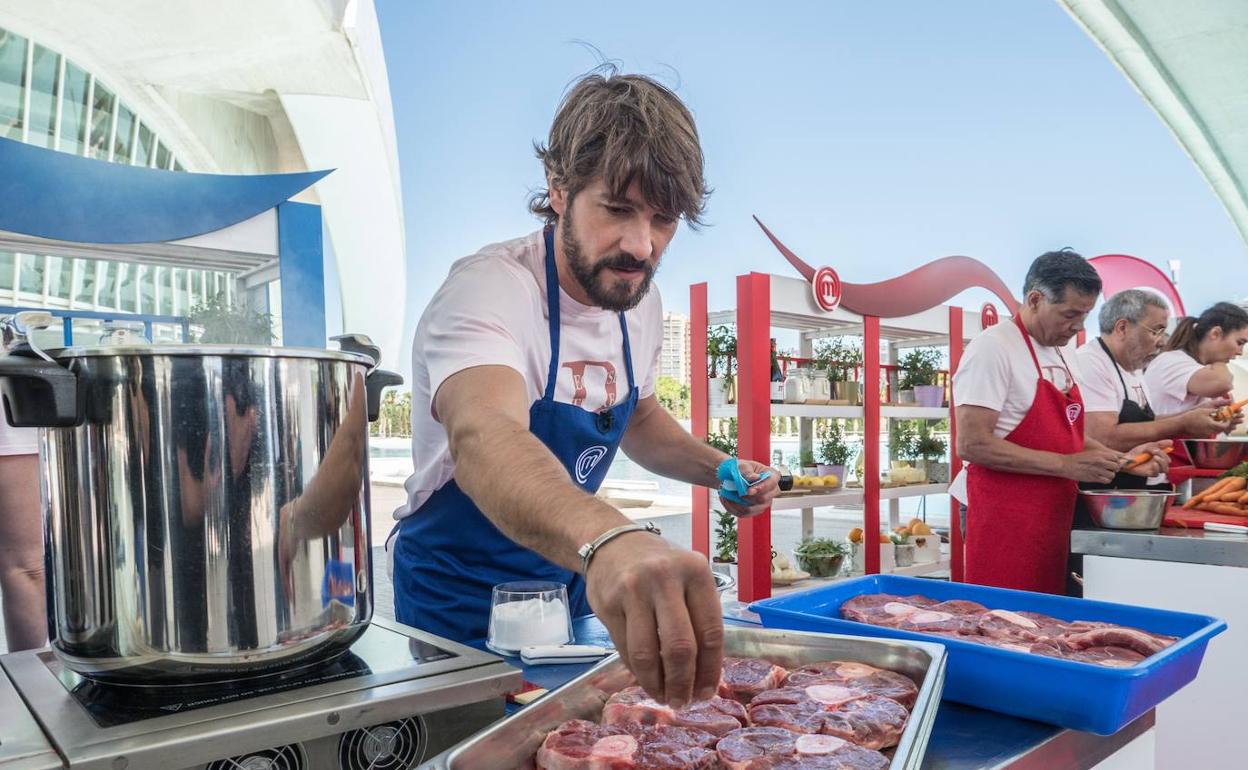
x=377, y=651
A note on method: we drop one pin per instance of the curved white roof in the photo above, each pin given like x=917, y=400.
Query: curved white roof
x=257, y=86
x=1189, y=60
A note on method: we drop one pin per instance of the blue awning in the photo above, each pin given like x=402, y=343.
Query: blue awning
x=55, y=195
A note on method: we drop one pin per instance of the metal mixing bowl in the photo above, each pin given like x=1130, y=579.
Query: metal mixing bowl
x=1217, y=453
x=1126, y=508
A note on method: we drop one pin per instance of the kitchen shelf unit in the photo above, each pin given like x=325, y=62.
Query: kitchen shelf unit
x=766, y=302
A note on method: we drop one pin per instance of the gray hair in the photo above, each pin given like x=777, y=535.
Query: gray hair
x=1130, y=304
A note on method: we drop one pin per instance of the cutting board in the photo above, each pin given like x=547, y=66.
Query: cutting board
x=1179, y=517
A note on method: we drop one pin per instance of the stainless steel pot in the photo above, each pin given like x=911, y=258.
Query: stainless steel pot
x=206, y=508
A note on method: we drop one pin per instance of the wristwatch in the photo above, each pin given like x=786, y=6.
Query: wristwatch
x=586, y=552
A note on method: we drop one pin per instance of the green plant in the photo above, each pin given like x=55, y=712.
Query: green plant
x=725, y=537
x=899, y=538
x=834, y=450
x=919, y=366
x=673, y=396
x=820, y=546
x=721, y=349
x=808, y=458
x=725, y=442
x=217, y=320
x=903, y=440
x=929, y=446
x=837, y=357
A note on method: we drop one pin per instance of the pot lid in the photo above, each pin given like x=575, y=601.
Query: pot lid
x=199, y=350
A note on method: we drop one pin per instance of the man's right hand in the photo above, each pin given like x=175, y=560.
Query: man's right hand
x=1094, y=465
x=661, y=608
x=1202, y=421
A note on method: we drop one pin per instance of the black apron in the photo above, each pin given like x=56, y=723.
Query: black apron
x=1130, y=412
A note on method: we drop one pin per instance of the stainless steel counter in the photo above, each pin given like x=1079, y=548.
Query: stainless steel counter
x=1191, y=546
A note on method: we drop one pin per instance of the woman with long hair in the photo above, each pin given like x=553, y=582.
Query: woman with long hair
x=1193, y=369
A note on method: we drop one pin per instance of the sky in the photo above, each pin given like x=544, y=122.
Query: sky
x=873, y=137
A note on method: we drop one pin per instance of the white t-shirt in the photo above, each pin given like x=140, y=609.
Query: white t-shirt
x=997, y=373
x=1166, y=378
x=1099, y=384
x=17, y=441
x=492, y=311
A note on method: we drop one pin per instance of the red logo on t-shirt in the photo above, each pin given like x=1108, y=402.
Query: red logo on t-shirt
x=579, y=391
x=1073, y=411
x=988, y=315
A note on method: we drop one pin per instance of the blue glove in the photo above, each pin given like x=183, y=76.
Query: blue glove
x=733, y=485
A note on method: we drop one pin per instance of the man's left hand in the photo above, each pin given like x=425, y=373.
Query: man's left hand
x=760, y=495
x=1158, y=461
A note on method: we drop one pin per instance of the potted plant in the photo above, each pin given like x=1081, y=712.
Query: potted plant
x=809, y=466
x=919, y=370
x=821, y=557
x=840, y=359
x=721, y=356
x=931, y=449
x=725, y=559
x=834, y=452
x=903, y=549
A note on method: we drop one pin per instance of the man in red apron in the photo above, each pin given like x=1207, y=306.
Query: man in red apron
x=1020, y=428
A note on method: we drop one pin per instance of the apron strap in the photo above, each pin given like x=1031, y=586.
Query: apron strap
x=552, y=310
x=1018, y=321
x=628, y=353
x=1117, y=368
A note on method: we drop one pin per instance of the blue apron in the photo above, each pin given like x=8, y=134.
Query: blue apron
x=448, y=557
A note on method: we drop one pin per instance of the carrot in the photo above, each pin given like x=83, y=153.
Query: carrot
x=1236, y=486
x=1243, y=498
x=1227, y=412
x=1226, y=509
x=1142, y=458
x=1212, y=490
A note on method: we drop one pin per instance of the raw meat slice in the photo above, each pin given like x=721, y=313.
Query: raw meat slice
x=1118, y=636
x=717, y=716
x=743, y=678
x=882, y=609
x=959, y=607
x=582, y=745
x=1111, y=657
x=930, y=621
x=1019, y=626
x=859, y=676
x=766, y=748
x=859, y=717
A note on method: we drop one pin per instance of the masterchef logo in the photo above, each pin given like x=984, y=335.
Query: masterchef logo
x=589, y=460
x=988, y=315
x=826, y=286
x=1073, y=411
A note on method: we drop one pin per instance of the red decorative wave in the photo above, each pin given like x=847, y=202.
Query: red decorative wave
x=1123, y=271
x=920, y=289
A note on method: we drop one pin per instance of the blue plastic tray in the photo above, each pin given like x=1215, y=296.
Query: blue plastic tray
x=1081, y=696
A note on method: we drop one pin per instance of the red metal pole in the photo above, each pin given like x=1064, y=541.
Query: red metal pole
x=871, y=442
x=956, y=553
x=754, y=426
x=699, y=411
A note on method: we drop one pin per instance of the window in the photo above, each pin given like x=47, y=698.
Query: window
x=197, y=287
x=102, y=103
x=12, y=76
x=73, y=109
x=84, y=292
x=60, y=272
x=183, y=286
x=143, y=146
x=43, y=96
x=125, y=135
x=108, y=286
x=8, y=260
x=129, y=292
x=32, y=270
x=177, y=165
x=162, y=156
x=147, y=289
x=165, y=276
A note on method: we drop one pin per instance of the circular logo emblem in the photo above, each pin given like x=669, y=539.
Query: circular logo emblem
x=1072, y=412
x=588, y=460
x=988, y=315
x=826, y=286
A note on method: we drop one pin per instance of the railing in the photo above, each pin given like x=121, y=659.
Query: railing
x=68, y=316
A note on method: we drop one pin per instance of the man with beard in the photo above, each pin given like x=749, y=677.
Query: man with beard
x=533, y=363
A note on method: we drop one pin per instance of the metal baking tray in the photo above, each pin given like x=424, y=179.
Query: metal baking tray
x=514, y=741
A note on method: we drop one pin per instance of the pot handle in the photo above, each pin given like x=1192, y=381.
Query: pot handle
x=360, y=344
x=40, y=394
x=377, y=381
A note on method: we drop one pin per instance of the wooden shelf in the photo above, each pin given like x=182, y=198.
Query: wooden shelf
x=813, y=411
x=853, y=496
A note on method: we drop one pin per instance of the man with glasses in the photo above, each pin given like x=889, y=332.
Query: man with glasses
x=1111, y=379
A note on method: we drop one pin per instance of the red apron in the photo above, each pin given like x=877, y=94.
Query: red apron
x=1018, y=524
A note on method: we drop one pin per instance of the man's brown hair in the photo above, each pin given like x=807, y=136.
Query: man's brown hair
x=625, y=128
